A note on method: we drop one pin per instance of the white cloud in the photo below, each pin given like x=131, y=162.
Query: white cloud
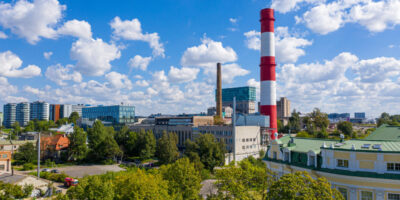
x=31, y=20
x=368, y=71
x=185, y=74
x=208, y=54
x=118, y=80
x=233, y=20
x=375, y=16
x=132, y=30
x=229, y=72
x=138, y=77
x=34, y=91
x=142, y=83
x=47, y=55
x=139, y=62
x=10, y=66
x=76, y=28
x=59, y=74
x=3, y=35
x=94, y=56
x=288, y=48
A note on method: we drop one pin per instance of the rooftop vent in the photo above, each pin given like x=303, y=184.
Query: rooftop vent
x=339, y=144
x=376, y=146
x=366, y=146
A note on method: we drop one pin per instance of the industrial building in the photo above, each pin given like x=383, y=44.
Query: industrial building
x=39, y=110
x=245, y=99
x=116, y=114
x=226, y=111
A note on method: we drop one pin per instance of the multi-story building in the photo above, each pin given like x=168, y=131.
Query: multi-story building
x=337, y=117
x=359, y=169
x=78, y=108
x=226, y=111
x=116, y=114
x=9, y=114
x=65, y=110
x=1, y=118
x=54, y=114
x=359, y=115
x=5, y=161
x=22, y=113
x=39, y=110
x=245, y=99
x=249, y=137
x=283, y=108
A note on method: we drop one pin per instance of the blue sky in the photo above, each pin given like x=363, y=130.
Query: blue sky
x=340, y=56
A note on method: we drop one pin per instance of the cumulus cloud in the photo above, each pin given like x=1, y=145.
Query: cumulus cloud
x=118, y=80
x=31, y=20
x=208, y=54
x=142, y=83
x=76, y=28
x=185, y=74
x=93, y=56
x=139, y=62
x=229, y=72
x=132, y=30
x=329, y=86
x=288, y=48
x=47, y=55
x=233, y=20
x=34, y=91
x=375, y=16
x=3, y=35
x=59, y=74
x=10, y=66
x=284, y=6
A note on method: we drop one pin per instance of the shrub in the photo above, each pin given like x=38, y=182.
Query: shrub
x=51, y=176
x=28, y=166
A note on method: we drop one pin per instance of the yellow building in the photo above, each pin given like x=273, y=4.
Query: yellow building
x=367, y=169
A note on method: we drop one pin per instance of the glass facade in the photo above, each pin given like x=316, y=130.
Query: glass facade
x=241, y=93
x=117, y=114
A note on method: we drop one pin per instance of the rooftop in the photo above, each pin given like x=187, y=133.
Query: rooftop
x=385, y=132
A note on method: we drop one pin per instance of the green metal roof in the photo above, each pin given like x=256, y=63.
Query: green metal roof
x=385, y=132
x=382, y=146
x=306, y=144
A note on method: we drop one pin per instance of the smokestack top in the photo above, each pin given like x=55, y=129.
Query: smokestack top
x=267, y=20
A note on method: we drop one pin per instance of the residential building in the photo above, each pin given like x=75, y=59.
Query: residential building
x=359, y=169
x=9, y=114
x=22, y=113
x=283, y=108
x=245, y=99
x=359, y=115
x=5, y=162
x=52, y=146
x=13, y=145
x=226, y=111
x=54, y=114
x=116, y=114
x=39, y=110
x=65, y=110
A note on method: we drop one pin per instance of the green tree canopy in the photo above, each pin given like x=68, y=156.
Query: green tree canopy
x=146, y=145
x=294, y=122
x=62, y=121
x=346, y=128
x=101, y=142
x=205, y=147
x=11, y=191
x=127, y=141
x=73, y=117
x=167, y=150
x=184, y=181
x=301, y=185
x=316, y=121
x=26, y=153
x=92, y=188
x=77, y=147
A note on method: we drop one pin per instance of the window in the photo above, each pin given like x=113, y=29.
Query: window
x=343, y=191
x=274, y=155
x=247, y=139
x=342, y=163
x=393, y=166
x=287, y=156
x=243, y=140
x=312, y=160
x=243, y=147
x=392, y=196
x=366, y=195
x=4, y=155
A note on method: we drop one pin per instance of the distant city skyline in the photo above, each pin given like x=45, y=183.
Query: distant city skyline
x=160, y=56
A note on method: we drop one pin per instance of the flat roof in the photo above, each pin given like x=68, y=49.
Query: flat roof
x=385, y=132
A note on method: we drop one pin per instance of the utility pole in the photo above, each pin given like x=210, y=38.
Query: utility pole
x=38, y=159
x=233, y=129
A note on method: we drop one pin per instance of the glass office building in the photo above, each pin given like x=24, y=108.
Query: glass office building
x=241, y=94
x=117, y=114
x=9, y=114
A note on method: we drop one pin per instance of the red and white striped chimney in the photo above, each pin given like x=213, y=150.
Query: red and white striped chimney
x=267, y=69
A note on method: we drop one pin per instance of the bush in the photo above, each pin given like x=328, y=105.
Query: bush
x=51, y=176
x=49, y=163
x=28, y=166
x=303, y=134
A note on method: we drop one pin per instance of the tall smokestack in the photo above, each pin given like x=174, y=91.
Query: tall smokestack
x=219, y=91
x=267, y=69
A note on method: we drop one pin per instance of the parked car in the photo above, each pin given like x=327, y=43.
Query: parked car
x=45, y=170
x=68, y=182
x=55, y=171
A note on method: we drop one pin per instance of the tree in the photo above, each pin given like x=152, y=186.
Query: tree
x=301, y=185
x=316, y=121
x=30, y=127
x=210, y=152
x=27, y=153
x=92, y=188
x=167, y=150
x=346, y=128
x=62, y=121
x=127, y=141
x=249, y=180
x=77, y=147
x=294, y=122
x=10, y=191
x=73, y=117
x=109, y=149
x=184, y=180
x=101, y=142
x=139, y=185
x=146, y=145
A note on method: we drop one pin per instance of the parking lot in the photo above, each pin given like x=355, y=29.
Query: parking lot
x=80, y=171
